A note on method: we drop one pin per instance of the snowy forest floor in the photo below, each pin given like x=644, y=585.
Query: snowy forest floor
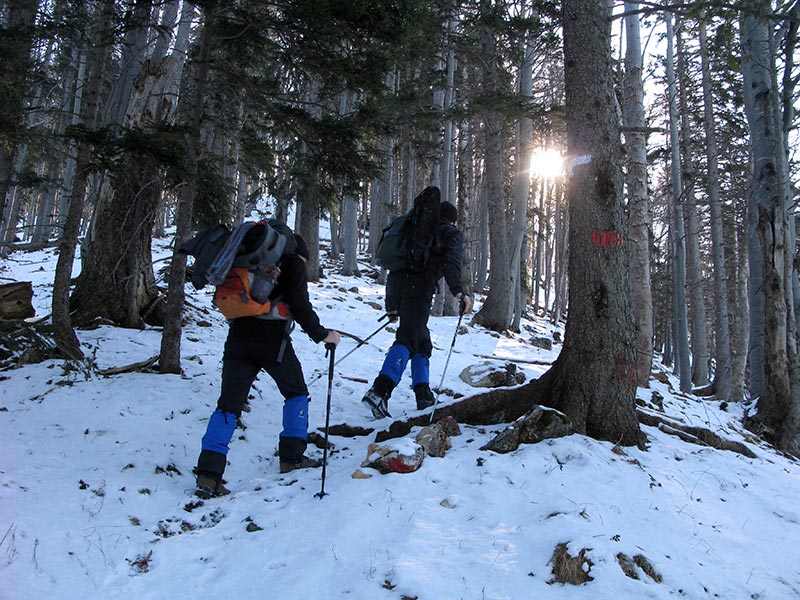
x=96, y=482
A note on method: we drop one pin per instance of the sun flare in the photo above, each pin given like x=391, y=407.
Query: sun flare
x=547, y=163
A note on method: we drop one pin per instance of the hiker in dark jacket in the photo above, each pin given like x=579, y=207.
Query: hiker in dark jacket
x=408, y=298
x=256, y=343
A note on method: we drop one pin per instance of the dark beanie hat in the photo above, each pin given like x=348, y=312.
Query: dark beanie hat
x=302, y=247
x=449, y=212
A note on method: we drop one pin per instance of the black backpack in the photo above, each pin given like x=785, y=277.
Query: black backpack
x=407, y=242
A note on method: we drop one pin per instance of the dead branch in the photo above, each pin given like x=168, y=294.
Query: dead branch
x=135, y=367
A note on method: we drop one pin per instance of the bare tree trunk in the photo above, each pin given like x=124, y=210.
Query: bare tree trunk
x=496, y=312
x=740, y=325
x=538, y=235
x=63, y=333
x=548, y=247
x=789, y=84
x=381, y=205
x=133, y=54
x=170, y=360
x=678, y=237
x=522, y=181
x=722, y=373
x=697, y=309
x=448, y=162
x=561, y=234
x=350, y=223
x=482, y=260
x=467, y=205
x=309, y=230
x=638, y=201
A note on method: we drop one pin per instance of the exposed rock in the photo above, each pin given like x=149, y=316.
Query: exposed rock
x=540, y=341
x=404, y=455
x=394, y=457
x=435, y=439
x=449, y=426
x=539, y=424
x=16, y=301
x=489, y=374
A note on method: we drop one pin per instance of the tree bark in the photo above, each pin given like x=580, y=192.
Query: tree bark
x=522, y=183
x=638, y=202
x=117, y=281
x=593, y=381
x=170, y=360
x=496, y=312
x=740, y=325
x=722, y=317
x=694, y=275
x=64, y=335
x=677, y=230
x=778, y=416
x=309, y=228
x=350, y=224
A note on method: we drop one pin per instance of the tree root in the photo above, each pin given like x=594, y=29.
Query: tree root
x=693, y=435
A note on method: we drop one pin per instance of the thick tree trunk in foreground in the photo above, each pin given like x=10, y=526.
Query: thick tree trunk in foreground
x=593, y=381
x=117, y=281
x=778, y=417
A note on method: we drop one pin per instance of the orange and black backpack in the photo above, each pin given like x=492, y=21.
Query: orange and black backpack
x=244, y=265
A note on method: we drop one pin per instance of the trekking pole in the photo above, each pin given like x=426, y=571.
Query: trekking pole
x=360, y=343
x=329, y=348
x=366, y=339
x=461, y=308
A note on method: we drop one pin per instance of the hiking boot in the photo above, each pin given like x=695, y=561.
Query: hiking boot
x=425, y=398
x=304, y=462
x=379, y=406
x=377, y=397
x=209, y=486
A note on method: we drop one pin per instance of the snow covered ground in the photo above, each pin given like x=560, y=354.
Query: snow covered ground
x=96, y=484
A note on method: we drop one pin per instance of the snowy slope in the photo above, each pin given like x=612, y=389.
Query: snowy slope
x=96, y=501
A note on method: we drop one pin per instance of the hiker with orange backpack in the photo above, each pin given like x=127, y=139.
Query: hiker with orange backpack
x=428, y=246
x=262, y=341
